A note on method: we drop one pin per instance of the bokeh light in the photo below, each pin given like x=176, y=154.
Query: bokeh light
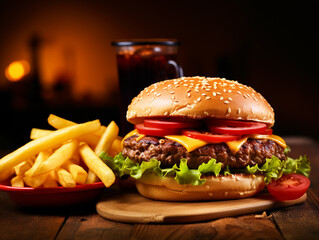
x=17, y=70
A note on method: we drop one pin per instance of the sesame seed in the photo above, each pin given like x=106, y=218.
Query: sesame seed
x=228, y=111
x=224, y=90
x=226, y=102
x=164, y=88
x=214, y=94
x=165, y=113
x=185, y=85
x=206, y=113
x=238, y=110
x=189, y=90
x=207, y=89
x=177, y=86
x=207, y=98
x=221, y=98
x=239, y=92
x=230, y=99
x=199, y=99
x=158, y=94
x=172, y=92
x=229, y=91
x=195, y=101
x=204, y=94
x=188, y=94
x=218, y=93
x=255, y=99
x=196, y=90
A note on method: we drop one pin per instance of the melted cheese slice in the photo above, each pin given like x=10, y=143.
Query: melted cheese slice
x=192, y=144
x=234, y=146
x=132, y=133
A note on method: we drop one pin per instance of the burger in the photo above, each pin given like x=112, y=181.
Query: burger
x=199, y=139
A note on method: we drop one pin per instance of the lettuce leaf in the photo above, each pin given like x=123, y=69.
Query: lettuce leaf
x=182, y=174
x=272, y=169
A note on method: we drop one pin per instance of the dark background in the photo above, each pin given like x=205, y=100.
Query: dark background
x=269, y=45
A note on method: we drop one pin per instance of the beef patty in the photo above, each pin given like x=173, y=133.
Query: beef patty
x=168, y=152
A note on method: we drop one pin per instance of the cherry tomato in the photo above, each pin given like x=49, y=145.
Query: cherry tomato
x=289, y=187
x=162, y=123
x=253, y=129
x=159, y=132
x=208, y=137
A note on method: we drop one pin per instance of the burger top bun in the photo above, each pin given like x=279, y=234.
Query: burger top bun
x=198, y=98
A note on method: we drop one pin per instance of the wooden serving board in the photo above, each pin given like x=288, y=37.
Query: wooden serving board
x=130, y=207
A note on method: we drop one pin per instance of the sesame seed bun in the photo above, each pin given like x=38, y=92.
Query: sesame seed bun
x=233, y=186
x=198, y=98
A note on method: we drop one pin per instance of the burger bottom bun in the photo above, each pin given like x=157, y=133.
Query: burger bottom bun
x=233, y=186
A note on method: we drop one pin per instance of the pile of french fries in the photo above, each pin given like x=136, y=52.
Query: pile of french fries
x=64, y=157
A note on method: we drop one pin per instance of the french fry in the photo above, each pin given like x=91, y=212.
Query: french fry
x=50, y=182
x=38, y=133
x=53, y=174
x=59, y=157
x=17, y=181
x=33, y=147
x=36, y=181
x=21, y=168
x=91, y=139
x=107, y=138
x=77, y=172
x=58, y=123
x=75, y=158
x=116, y=147
x=6, y=174
x=104, y=144
x=42, y=156
x=96, y=165
x=91, y=177
x=65, y=178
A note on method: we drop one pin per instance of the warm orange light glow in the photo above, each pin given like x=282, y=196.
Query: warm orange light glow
x=17, y=70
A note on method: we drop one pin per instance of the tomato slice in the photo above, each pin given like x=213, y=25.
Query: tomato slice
x=289, y=187
x=159, y=132
x=268, y=131
x=161, y=123
x=208, y=137
x=230, y=123
x=253, y=129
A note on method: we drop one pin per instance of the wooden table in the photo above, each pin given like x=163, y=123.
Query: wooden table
x=297, y=222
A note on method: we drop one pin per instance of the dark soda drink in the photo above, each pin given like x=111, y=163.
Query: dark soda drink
x=140, y=65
